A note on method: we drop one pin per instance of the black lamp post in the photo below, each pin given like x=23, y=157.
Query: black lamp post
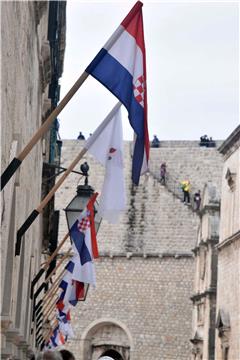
x=79, y=202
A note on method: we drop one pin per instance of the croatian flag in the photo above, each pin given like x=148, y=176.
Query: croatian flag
x=84, y=270
x=72, y=291
x=78, y=292
x=84, y=244
x=57, y=337
x=64, y=321
x=121, y=67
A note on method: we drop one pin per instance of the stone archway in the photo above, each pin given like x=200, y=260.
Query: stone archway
x=106, y=337
x=113, y=354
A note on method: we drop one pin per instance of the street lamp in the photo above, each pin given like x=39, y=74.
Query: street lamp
x=79, y=202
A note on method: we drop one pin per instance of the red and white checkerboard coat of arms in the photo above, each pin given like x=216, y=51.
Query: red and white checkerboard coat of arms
x=138, y=90
x=84, y=223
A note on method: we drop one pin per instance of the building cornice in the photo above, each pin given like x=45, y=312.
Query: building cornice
x=231, y=143
x=228, y=241
x=130, y=255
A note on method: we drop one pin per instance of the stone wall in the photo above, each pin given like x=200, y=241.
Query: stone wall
x=150, y=296
x=22, y=96
x=26, y=70
x=145, y=271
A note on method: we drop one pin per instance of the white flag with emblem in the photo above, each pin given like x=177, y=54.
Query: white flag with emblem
x=106, y=145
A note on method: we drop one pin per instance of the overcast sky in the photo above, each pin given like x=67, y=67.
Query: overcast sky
x=192, y=67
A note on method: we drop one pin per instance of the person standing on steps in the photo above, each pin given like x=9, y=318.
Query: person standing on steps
x=155, y=142
x=163, y=169
x=185, y=185
x=197, y=200
x=81, y=136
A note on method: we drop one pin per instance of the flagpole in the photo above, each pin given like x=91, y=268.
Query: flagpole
x=56, y=283
x=45, y=201
x=28, y=222
x=49, y=299
x=42, y=270
x=59, y=264
x=48, y=302
x=55, y=269
x=48, y=336
x=16, y=162
x=49, y=311
x=53, y=318
x=55, y=251
x=54, y=289
x=51, y=330
x=46, y=264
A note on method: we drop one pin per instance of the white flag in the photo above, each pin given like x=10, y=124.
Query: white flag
x=107, y=147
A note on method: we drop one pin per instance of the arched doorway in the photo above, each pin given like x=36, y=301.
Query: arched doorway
x=106, y=337
x=112, y=354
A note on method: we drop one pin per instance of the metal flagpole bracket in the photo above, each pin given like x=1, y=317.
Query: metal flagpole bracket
x=40, y=321
x=39, y=316
x=42, y=287
x=35, y=280
x=39, y=339
x=38, y=307
x=23, y=229
x=38, y=330
x=10, y=170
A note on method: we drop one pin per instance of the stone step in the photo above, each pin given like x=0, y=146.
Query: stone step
x=155, y=220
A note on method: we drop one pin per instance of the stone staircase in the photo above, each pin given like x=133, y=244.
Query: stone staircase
x=172, y=185
x=186, y=160
x=155, y=219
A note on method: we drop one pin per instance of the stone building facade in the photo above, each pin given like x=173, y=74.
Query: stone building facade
x=205, y=285
x=28, y=73
x=228, y=286
x=216, y=329
x=141, y=307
